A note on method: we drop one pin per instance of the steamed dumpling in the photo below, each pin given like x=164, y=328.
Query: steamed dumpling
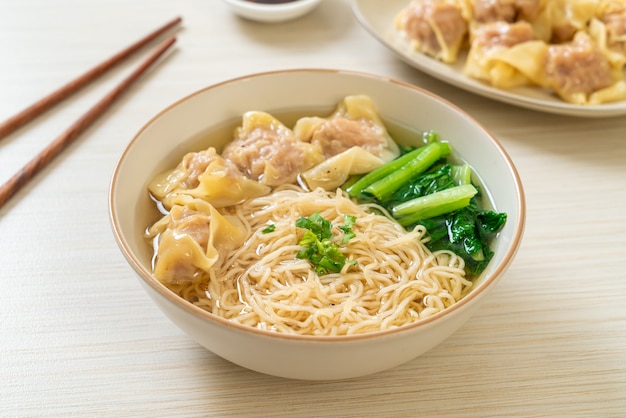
x=267, y=151
x=190, y=239
x=560, y=19
x=573, y=48
x=434, y=27
x=611, y=21
x=208, y=176
x=580, y=72
x=485, y=11
x=502, y=55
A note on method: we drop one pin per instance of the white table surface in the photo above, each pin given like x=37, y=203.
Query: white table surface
x=79, y=337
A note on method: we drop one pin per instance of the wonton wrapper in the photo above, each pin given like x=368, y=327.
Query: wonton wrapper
x=591, y=78
x=612, y=15
x=191, y=238
x=437, y=28
x=611, y=49
x=485, y=11
x=613, y=45
x=559, y=20
x=614, y=93
x=364, y=129
x=208, y=176
x=501, y=65
x=334, y=172
x=522, y=64
x=266, y=150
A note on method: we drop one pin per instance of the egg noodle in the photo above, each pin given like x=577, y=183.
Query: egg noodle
x=391, y=278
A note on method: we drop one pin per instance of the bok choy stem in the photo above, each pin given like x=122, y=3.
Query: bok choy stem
x=435, y=204
x=382, y=189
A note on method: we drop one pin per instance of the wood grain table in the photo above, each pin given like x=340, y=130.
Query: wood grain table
x=79, y=337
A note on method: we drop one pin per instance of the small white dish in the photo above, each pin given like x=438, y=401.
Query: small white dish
x=377, y=18
x=272, y=12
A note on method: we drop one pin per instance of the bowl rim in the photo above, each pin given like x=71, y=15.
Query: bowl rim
x=268, y=12
x=147, y=277
x=290, y=5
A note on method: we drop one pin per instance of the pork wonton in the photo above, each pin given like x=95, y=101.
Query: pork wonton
x=353, y=140
x=190, y=238
x=355, y=122
x=502, y=55
x=264, y=149
x=575, y=49
x=580, y=72
x=434, y=27
x=208, y=176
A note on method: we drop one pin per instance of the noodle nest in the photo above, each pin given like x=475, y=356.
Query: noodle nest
x=391, y=279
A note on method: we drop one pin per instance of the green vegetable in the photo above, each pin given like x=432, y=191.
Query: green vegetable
x=467, y=232
x=269, y=228
x=434, y=204
x=462, y=174
x=430, y=136
x=423, y=187
x=317, y=243
x=437, y=178
x=317, y=224
x=357, y=188
x=384, y=188
x=348, y=223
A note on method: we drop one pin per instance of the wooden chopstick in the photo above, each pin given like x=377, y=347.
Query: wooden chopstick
x=73, y=86
x=26, y=173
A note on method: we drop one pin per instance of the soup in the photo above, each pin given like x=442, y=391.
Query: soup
x=263, y=232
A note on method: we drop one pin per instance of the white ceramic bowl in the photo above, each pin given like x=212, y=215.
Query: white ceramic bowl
x=162, y=142
x=276, y=12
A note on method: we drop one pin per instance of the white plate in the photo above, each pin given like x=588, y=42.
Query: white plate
x=377, y=17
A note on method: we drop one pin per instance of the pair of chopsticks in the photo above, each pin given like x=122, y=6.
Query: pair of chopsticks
x=26, y=173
